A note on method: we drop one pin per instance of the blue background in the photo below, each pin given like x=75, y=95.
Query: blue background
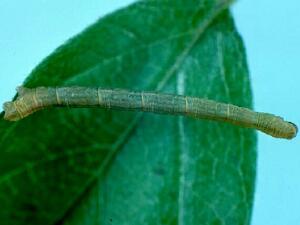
x=32, y=29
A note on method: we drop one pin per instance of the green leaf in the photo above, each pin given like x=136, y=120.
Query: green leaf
x=95, y=166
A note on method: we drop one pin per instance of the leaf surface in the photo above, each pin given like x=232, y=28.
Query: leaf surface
x=94, y=166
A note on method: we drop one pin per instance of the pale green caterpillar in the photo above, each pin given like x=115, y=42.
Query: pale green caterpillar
x=32, y=100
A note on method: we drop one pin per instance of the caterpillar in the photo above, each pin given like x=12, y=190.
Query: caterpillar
x=32, y=100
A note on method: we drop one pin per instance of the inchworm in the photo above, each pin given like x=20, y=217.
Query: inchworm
x=32, y=100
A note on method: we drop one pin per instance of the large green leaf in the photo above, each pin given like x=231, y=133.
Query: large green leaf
x=93, y=166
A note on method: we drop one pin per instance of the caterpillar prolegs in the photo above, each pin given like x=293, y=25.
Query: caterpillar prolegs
x=32, y=100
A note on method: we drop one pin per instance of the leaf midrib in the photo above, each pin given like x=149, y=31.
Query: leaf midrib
x=126, y=134
x=159, y=87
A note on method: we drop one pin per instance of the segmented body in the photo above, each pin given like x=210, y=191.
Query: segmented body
x=31, y=100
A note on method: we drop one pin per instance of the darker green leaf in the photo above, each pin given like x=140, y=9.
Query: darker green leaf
x=94, y=166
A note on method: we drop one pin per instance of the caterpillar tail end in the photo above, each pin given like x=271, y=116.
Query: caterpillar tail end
x=11, y=112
